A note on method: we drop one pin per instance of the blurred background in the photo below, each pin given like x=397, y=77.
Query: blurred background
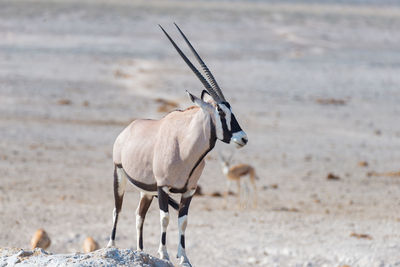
x=315, y=84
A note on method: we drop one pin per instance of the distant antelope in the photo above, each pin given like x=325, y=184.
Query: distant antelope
x=167, y=155
x=238, y=173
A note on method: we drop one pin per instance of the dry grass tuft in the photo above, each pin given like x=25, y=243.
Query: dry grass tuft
x=359, y=236
x=64, y=102
x=333, y=177
x=331, y=101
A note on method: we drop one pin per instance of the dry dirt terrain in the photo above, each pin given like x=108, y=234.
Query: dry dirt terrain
x=316, y=86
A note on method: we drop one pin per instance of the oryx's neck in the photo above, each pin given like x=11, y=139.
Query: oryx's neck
x=199, y=135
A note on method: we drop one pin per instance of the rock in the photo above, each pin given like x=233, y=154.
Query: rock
x=102, y=257
x=64, y=102
x=40, y=239
x=331, y=101
x=359, y=236
x=89, y=245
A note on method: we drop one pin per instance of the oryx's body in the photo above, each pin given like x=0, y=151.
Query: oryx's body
x=167, y=155
x=167, y=152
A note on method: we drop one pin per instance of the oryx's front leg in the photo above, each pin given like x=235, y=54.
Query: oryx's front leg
x=164, y=220
x=182, y=223
x=144, y=204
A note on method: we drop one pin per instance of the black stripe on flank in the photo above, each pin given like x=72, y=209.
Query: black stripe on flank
x=146, y=187
x=153, y=187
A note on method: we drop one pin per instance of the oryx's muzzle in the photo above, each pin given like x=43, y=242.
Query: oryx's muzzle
x=239, y=139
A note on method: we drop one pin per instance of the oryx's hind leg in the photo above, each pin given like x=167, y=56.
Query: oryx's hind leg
x=119, y=190
x=164, y=220
x=143, y=207
x=182, y=223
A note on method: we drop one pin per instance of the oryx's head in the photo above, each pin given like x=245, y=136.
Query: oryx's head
x=212, y=100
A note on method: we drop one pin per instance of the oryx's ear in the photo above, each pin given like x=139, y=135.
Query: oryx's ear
x=198, y=101
x=206, y=97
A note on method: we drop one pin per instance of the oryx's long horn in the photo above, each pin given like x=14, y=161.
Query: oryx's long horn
x=209, y=75
x=193, y=68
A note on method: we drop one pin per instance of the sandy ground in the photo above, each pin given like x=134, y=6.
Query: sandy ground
x=315, y=86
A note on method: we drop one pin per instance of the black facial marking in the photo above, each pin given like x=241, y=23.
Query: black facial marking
x=226, y=104
x=227, y=135
x=235, y=127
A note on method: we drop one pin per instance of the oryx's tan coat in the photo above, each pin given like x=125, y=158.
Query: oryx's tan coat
x=165, y=151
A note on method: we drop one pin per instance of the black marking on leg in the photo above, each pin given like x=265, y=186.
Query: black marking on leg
x=118, y=199
x=114, y=230
x=183, y=241
x=163, y=238
x=162, y=199
x=184, y=206
x=173, y=203
x=118, y=204
x=141, y=239
x=143, y=208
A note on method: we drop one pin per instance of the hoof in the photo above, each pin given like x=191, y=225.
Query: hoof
x=163, y=255
x=111, y=244
x=185, y=262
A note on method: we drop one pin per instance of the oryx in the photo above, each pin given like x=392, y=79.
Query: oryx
x=167, y=155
